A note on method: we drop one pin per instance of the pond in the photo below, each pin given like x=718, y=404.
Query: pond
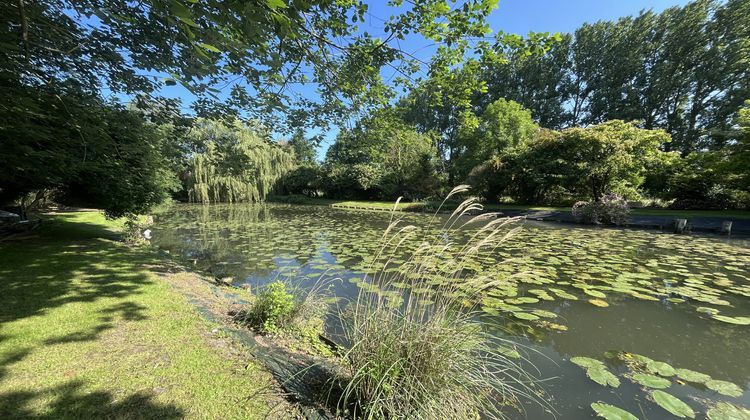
x=627, y=298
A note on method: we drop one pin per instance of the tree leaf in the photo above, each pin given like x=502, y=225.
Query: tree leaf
x=672, y=404
x=610, y=412
x=210, y=48
x=276, y=4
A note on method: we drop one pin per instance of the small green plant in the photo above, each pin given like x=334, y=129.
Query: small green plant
x=274, y=308
x=280, y=307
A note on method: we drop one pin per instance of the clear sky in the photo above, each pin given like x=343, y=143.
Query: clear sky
x=512, y=16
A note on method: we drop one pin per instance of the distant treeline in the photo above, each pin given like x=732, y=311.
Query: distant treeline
x=658, y=98
x=647, y=107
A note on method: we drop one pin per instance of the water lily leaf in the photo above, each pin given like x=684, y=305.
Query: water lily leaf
x=525, y=316
x=602, y=376
x=736, y=320
x=640, y=358
x=707, y=310
x=563, y=294
x=598, y=302
x=651, y=381
x=586, y=362
x=692, y=376
x=672, y=404
x=660, y=368
x=553, y=326
x=521, y=300
x=544, y=314
x=727, y=411
x=610, y=412
x=675, y=300
x=725, y=388
x=594, y=293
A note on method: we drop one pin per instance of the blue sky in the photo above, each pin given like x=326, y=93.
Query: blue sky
x=513, y=16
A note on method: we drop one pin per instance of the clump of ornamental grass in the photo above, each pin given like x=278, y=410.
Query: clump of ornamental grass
x=419, y=351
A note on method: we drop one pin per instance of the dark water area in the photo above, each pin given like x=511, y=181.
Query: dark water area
x=623, y=297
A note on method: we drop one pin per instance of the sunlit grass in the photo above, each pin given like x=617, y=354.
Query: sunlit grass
x=89, y=332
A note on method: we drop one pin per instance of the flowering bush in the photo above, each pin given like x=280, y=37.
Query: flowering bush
x=611, y=209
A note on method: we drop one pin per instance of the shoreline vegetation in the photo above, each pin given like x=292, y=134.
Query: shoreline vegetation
x=428, y=207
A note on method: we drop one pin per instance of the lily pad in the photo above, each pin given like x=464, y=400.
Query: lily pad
x=594, y=293
x=725, y=388
x=673, y=404
x=707, y=310
x=509, y=352
x=651, y=381
x=602, y=376
x=660, y=368
x=586, y=362
x=598, y=302
x=692, y=376
x=610, y=412
x=736, y=320
x=525, y=316
x=727, y=411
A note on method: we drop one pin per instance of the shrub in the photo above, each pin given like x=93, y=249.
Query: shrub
x=612, y=209
x=279, y=307
x=302, y=180
x=421, y=353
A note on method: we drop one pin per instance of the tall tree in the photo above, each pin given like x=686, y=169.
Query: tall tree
x=502, y=126
x=234, y=162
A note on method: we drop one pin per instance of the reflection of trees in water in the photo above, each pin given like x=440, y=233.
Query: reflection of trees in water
x=238, y=239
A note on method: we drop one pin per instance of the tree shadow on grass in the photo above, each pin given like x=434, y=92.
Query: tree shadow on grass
x=69, y=263
x=69, y=401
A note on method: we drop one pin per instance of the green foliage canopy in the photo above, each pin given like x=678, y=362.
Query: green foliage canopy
x=234, y=163
x=381, y=157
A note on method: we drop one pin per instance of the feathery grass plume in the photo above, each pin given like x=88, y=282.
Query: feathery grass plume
x=419, y=351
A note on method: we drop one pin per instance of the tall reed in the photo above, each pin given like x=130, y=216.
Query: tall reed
x=419, y=351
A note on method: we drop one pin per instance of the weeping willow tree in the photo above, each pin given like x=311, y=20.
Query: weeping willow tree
x=234, y=163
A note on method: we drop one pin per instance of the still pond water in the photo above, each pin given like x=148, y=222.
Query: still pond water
x=630, y=299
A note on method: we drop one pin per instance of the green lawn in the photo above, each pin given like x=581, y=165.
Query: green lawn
x=88, y=329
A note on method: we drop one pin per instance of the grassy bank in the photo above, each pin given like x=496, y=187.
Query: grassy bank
x=424, y=205
x=90, y=329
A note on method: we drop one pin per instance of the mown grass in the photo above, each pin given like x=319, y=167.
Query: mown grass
x=87, y=330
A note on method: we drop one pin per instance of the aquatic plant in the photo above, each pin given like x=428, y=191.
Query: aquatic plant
x=419, y=352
